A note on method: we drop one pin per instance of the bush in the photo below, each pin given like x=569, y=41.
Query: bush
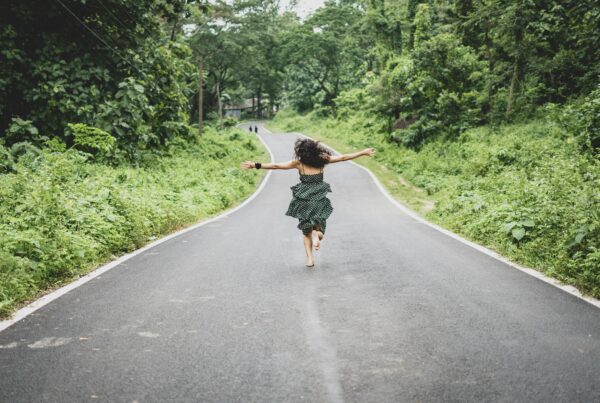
x=440, y=85
x=91, y=139
x=127, y=117
x=22, y=130
x=525, y=190
x=230, y=122
x=582, y=119
x=61, y=215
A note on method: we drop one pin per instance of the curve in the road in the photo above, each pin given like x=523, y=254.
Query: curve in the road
x=394, y=311
x=539, y=275
x=48, y=298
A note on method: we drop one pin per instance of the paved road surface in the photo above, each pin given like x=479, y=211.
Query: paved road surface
x=393, y=312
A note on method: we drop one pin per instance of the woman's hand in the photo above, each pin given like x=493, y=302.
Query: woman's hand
x=369, y=152
x=247, y=165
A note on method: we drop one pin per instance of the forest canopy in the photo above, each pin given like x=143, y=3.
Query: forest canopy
x=132, y=68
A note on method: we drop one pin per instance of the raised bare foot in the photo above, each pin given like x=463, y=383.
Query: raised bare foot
x=316, y=240
x=310, y=263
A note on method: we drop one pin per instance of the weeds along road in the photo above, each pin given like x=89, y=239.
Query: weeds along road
x=393, y=311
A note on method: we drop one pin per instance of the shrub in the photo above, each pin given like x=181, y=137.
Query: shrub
x=91, y=139
x=440, y=85
x=230, y=122
x=582, y=119
x=525, y=190
x=22, y=130
x=64, y=215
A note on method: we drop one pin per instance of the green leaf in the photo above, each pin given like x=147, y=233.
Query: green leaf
x=509, y=226
x=518, y=233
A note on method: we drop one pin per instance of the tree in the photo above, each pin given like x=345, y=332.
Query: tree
x=73, y=62
x=216, y=43
x=259, y=31
x=383, y=18
x=329, y=50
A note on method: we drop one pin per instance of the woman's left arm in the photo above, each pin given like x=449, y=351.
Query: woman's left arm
x=268, y=165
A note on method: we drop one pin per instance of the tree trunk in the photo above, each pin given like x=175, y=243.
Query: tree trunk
x=514, y=83
x=511, y=90
x=174, y=30
x=200, y=96
x=258, y=104
x=220, y=103
x=489, y=45
x=518, y=61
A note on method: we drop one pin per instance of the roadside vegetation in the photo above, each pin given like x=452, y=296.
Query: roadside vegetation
x=486, y=116
x=100, y=151
x=61, y=214
x=522, y=189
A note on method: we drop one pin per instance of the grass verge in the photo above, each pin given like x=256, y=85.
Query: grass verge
x=61, y=216
x=524, y=190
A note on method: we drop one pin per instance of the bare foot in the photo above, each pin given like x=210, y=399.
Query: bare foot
x=310, y=263
x=316, y=240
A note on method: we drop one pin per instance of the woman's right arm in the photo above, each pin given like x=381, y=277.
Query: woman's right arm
x=347, y=157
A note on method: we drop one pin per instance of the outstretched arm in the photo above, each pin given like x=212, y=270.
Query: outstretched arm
x=347, y=157
x=268, y=165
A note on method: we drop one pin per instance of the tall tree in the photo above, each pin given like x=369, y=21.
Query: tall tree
x=216, y=43
x=259, y=33
x=328, y=48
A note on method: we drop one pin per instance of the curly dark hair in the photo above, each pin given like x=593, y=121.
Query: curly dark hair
x=311, y=153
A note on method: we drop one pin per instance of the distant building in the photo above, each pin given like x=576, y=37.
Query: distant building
x=235, y=110
x=249, y=105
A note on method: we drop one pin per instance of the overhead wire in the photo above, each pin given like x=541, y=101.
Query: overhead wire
x=99, y=37
x=112, y=15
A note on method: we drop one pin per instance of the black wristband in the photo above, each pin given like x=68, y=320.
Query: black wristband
x=257, y=165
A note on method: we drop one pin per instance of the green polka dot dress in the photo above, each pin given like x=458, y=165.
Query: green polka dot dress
x=310, y=204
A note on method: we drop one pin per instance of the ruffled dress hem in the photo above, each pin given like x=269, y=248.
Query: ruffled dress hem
x=310, y=204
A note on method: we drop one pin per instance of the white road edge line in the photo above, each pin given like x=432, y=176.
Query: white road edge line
x=46, y=299
x=539, y=275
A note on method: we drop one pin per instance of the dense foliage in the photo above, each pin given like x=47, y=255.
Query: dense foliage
x=439, y=67
x=240, y=45
x=97, y=154
x=325, y=55
x=524, y=189
x=61, y=215
x=491, y=106
x=108, y=64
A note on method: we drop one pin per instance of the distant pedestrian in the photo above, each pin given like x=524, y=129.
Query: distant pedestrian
x=310, y=204
x=255, y=129
x=250, y=128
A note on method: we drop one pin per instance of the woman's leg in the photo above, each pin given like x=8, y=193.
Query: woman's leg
x=316, y=240
x=319, y=232
x=317, y=235
x=308, y=248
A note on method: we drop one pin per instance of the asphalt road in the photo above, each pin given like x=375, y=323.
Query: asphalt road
x=394, y=311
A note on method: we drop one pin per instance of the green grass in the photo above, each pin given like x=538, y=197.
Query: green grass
x=524, y=190
x=335, y=136
x=61, y=216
